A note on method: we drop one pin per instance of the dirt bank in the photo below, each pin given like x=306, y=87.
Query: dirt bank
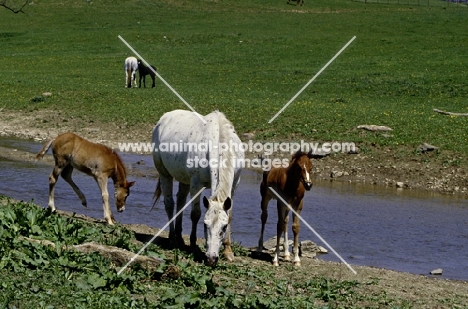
x=404, y=168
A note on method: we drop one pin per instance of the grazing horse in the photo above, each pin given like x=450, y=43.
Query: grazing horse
x=290, y=183
x=131, y=66
x=144, y=70
x=71, y=151
x=198, y=162
x=297, y=2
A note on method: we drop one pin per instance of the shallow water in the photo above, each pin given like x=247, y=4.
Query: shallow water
x=404, y=230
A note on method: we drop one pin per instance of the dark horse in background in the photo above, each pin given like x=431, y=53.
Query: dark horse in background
x=144, y=70
x=301, y=2
x=290, y=183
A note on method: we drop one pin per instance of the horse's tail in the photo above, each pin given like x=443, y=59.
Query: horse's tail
x=129, y=77
x=157, y=194
x=44, y=149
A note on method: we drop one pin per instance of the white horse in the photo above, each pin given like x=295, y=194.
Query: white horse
x=131, y=66
x=189, y=150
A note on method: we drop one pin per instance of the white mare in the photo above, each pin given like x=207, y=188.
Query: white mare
x=182, y=152
x=131, y=66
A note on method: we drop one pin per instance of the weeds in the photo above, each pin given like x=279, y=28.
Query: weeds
x=40, y=276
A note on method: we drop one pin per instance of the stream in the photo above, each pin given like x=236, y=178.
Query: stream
x=400, y=229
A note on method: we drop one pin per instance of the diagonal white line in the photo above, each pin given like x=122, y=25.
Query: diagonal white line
x=162, y=79
x=160, y=231
x=310, y=81
x=307, y=224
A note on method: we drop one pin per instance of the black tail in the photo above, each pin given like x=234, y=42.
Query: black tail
x=157, y=194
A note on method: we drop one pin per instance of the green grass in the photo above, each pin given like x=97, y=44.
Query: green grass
x=247, y=59
x=38, y=276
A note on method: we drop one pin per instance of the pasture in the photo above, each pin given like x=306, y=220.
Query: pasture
x=248, y=59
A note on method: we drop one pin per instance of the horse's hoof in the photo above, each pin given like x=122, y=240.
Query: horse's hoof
x=275, y=263
x=229, y=256
x=85, y=204
x=257, y=253
x=297, y=263
x=180, y=243
x=287, y=258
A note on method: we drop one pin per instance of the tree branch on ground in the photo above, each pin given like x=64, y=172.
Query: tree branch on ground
x=449, y=113
x=117, y=255
x=8, y=7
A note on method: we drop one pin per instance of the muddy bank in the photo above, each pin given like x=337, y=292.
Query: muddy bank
x=405, y=169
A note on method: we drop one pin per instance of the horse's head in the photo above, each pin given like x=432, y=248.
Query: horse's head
x=216, y=224
x=302, y=161
x=140, y=64
x=121, y=193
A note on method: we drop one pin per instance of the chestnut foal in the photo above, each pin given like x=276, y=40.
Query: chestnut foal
x=290, y=183
x=71, y=151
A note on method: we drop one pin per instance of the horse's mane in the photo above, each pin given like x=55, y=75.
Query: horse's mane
x=225, y=175
x=121, y=172
x=296, y=157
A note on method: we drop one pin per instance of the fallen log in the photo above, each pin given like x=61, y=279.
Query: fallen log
x=117, y=255
x=374, y=128
x=450, y=113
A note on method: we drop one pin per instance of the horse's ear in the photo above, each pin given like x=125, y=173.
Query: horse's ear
x=296, y=155
x=130, y=184
x=205, y=202
x=227, y=204
x=310, y=154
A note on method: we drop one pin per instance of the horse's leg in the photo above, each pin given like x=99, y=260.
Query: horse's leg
x=166, y=189
x=52, y=181
x=102, y=183
x=154, y=83
x=133, y=81
x=60, y=164
x=287, y=256
x=182, y=193
x=280, y=229
x=195, y=214
x=67, y=176
x=266, y=197
x=296, y=227
x=228, y=254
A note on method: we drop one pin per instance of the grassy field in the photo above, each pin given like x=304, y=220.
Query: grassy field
x=34, y=275
x=247, y=59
